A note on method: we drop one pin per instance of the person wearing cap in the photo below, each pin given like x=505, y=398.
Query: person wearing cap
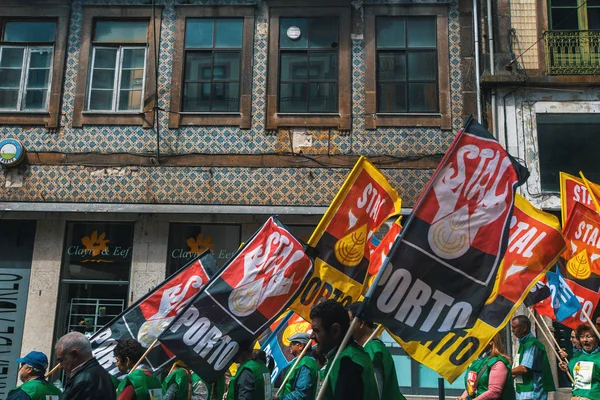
x=385, y=370
x=303, y=379
x=32, y=371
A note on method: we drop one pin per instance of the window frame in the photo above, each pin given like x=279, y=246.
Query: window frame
x=241, y=118
x=57, y=12
x=441, y=119
x=342, y=118
x=144, y=117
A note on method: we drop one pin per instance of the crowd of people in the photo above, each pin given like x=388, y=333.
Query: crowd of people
x=364, y=369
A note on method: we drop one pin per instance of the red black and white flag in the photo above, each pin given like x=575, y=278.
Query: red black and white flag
x=443, y=269
x=257, y=285
x=145, y=320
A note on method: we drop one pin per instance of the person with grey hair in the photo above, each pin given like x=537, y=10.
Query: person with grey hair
x=86, y=379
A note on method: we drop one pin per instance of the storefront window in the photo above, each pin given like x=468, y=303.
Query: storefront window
x=95, y=275
x=187, y=241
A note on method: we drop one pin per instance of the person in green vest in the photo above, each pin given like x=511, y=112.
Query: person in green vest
x=183, y=384
x=489, y=377
x=585, y=365
x=32, y=370
x=252, y=380
x=351, y=376
x=385, y=370
x=304, y=377
x=531, y=371
x=139, y=384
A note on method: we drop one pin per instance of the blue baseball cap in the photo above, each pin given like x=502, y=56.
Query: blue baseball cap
x=36, y=359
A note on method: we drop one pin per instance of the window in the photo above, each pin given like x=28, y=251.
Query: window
x=309, y=68
x=573, y=15
x=212, y=68
x=117, y=72
x=32, y=48
x=557, y=149
x=407, y=66
x=116, y=82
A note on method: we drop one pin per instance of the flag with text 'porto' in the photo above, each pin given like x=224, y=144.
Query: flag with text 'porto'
x=149, y=316
x=535, y=243
x=253, y=288
x=444, y=268
x=342, y=238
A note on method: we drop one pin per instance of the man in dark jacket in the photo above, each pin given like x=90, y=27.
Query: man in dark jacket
x=86, y=379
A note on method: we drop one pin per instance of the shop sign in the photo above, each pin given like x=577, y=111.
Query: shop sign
x=11, y=152
x=96, y=247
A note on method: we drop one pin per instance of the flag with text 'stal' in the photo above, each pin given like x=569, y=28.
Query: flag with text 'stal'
x=535, y=243
x=241, y=301
x=572, y=191
x=444, y=267
x=342, y=238
x=149, y=316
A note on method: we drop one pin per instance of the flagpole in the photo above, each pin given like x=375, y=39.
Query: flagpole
x=590, y=322
x=287, y=376
x=548, y=340
x=552, y=336
x=145, y=354
x=375, y=334
x=53, y=370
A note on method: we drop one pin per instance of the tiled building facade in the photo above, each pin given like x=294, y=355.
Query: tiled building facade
x=151, y=183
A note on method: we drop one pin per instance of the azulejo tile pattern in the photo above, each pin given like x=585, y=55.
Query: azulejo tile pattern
x=282, y=186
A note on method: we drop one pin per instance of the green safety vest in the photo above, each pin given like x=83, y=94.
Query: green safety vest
x=358, y=356
x=380, y=355
x=262, y=380
x=39, y=390
x=218, y=387
x=586, y=374
x=546, y=372
x=478, y=377
x=311, y=364
x=142, y=384
x=181, y=378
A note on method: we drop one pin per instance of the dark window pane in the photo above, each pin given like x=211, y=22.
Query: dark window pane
x=40, y=58
x=35, y=99
x=564, y=3
x=323, y=66
x=8, y=98
x=564, y=19
x=103, y=79
x=29, y=31
x=196, y=97
x=391, y=66
x=593, y=3
x=228, y=33
x=12, y=57
x=226, y=96
x=38, y=79
x=293, y=66
x=227, y=66
x=422, y=66
x=105, y=58
x=391, y=98
x=421, y=32
x=323, y=33
x=323, y=97
x=101, y=100
x=390, y=32
x=292, y=97
x=10, y=78
x=285, y=41
x=132, y=79
x=134, y=58
x=422, y=97
x=198, y=66
x=594, y=19
x=198, y=32
x=121, y=31
x=130, y=100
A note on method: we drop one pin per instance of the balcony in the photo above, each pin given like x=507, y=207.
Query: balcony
x=572, y=52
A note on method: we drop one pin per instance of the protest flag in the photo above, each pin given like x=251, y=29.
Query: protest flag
x=253, y=288
x=446, y=257
x=381, y=251
x=535, y=244
x=149, y=316
x=573, y=190
x=564, y=302
x=594, y=190
x=341, y=240
x=539, y=292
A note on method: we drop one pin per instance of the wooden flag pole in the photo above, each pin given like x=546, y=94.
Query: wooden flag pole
x=552, y=336
x=549, y=341
x=375, y=334
x=590, y=322
x=53, y=370
x=345, y=341
x=289, y=373
x=144, y=355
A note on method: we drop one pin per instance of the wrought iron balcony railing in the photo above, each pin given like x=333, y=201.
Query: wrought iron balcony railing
x=572, y=52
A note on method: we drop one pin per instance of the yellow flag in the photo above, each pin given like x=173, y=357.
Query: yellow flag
x=594, y=190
